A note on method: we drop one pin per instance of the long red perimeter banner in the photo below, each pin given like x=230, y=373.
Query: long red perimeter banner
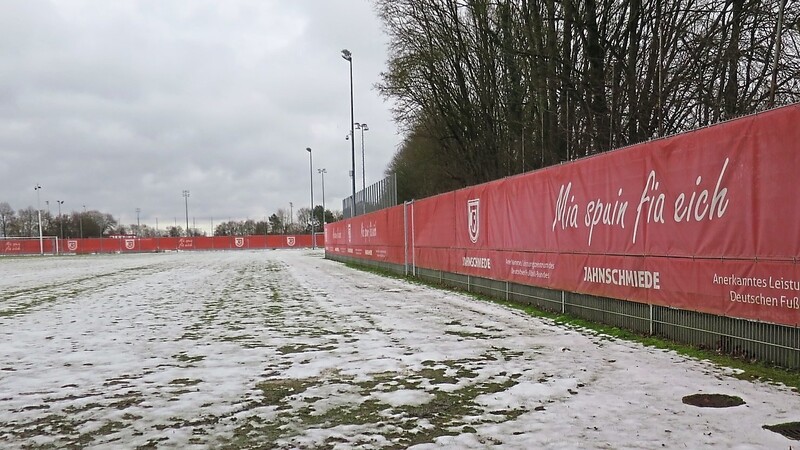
x=706, y=221
x=134, y=244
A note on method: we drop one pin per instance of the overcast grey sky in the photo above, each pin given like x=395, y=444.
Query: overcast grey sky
x=123, y=104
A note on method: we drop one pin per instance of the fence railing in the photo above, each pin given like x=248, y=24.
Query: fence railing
x=379, y=195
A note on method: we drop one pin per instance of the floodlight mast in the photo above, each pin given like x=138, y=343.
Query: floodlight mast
x=349, y=58
x=363, y=127
x=39, y=212
x=311, y=180
x=186, y=204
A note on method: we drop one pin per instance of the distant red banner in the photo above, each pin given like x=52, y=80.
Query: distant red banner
x=133, y=244
x=704, y=221
x=378, y=236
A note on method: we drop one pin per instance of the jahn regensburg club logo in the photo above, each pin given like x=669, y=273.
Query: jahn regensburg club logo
x=473, y=219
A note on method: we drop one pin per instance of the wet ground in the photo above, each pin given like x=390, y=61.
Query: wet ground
x=283, y=349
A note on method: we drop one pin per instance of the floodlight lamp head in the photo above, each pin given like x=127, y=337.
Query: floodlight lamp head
x=308, y=149
x=364, y=127
x=347, y=55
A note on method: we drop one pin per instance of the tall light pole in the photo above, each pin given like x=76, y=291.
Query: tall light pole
x=80, y=220
x=323, y=172
x=349, y=58
x=291, y=217
x=138, y=226
x=363, y=127
x=186, y=201
x=778, y=40
x=311, y=180
x=60, y=219
x=39, y=211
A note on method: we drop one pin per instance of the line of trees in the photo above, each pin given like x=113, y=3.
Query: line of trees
x=491, y=88
x=280, y=223
x=94, y=224
x=25, y=223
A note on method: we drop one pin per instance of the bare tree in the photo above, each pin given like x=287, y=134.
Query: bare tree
x=7, y=216
x=497, y=87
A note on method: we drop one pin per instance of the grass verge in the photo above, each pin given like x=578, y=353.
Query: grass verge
x=744, y=369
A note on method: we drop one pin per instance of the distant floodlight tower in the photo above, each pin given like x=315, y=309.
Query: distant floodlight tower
x=349, y=58
x=39, y=212
x=311, y=179
x=323, y=172
x=138, y=225
x=363, y=127
x=60, y=219
x=186, y=203
x=80, y=220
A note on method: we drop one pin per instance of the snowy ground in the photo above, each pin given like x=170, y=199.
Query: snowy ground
x=283, y=349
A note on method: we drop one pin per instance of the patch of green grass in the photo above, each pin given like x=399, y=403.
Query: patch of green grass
x=125, y=400
x=468, y=334
x=447, y=412
x=295, y=348
x=70, y=409
x=63, y=426
x=376, y=380
x=437, y=376
x=178, y=423
x=110, y=427
x=366, y=412
x=185, y=382
x=183, y=357
x=274, y=392
x=782, y=428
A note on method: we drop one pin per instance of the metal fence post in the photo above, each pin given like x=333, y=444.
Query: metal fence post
x=413, y=242
x=405, y=238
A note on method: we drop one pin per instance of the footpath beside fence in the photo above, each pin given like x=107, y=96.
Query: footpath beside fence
x=133, y=244
x=692, y=237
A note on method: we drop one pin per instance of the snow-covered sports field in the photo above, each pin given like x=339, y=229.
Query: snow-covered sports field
x=283, y=349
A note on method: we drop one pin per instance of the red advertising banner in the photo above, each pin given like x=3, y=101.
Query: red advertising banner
x=378, y=236
x=133, y=244
x=704, y=221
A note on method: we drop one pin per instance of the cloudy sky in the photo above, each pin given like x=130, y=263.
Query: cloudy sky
x=124, y=104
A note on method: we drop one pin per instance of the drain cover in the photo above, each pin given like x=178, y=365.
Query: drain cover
x=790, y=430
x=713, y=400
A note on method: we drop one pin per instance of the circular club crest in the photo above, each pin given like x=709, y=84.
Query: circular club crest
x=473, y=219
x=72, y=245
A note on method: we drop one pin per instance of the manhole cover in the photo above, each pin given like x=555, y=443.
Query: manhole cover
x=713, y=400
x=790, y=430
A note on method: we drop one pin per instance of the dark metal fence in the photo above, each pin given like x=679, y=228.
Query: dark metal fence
x=380, y=195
